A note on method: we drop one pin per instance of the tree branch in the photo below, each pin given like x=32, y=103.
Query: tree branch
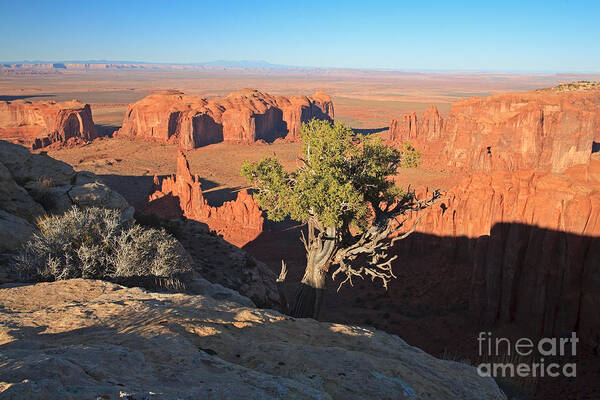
x=280, y=280
x=375, y=242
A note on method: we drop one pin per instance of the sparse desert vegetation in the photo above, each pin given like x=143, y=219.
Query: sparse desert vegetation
x=95, y=243
x=574, y=86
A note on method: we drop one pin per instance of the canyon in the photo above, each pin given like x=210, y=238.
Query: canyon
x=40, y=124
x=513, y=244
x=82, y=338
x=245, y=116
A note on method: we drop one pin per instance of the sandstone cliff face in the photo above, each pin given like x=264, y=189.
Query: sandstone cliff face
x=244, y=116
x=239, y=221
x=533, y=239
x=102, y=340
x=547, y=130
x=412, y=127
x=43, y=123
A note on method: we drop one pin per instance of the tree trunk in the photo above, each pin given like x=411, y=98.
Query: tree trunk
x=320, y=248
x=309, y=296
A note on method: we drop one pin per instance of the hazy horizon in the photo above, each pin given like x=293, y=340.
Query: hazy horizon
x=251, y=64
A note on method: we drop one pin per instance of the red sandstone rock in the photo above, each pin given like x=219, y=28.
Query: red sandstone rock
x=245, y=116
x=239, y=221
x=533, y=239
x=542, y=129
x=412, y=127
x=43, y=123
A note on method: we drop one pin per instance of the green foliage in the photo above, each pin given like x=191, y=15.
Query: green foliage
x=342, y=174
x=94, y=243
x=412, y=157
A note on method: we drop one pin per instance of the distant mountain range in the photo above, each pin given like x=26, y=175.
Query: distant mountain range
x=217, y=63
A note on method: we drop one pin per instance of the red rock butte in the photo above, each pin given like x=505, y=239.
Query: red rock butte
x=546, y=129
x=43, y=123
x=526, y=215
x=239, y=221
x=245, y=116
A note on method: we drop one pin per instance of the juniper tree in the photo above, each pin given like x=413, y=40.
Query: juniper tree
x=343, y=190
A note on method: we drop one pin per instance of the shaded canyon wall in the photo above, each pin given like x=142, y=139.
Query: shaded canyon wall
x=526, y=213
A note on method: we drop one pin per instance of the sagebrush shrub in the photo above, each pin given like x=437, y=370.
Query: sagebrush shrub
x=94, y=243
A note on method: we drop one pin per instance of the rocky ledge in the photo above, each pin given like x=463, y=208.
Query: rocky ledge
x=82, y=339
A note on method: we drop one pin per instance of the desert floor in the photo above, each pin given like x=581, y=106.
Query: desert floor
x=363, y=99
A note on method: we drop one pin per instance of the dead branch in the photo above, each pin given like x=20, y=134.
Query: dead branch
x=280, y=280
x=375, y=242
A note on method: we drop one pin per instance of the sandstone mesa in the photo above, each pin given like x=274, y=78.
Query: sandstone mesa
x=43, y=123
x=245, y=116
x=526, y=215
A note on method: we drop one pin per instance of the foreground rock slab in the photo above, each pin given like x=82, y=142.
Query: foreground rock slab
x=83, y=339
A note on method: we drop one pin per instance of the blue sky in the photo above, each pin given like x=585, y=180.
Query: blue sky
x=561, y=35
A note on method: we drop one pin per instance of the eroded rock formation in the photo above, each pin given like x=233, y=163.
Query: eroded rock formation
x=244, y=116
x=239, y=221
x=46, y=122
x=549, y=129
x=102, y=340
x=533, y=239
